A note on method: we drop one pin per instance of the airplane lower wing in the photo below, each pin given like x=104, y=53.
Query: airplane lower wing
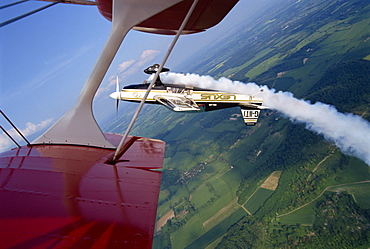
x=177, y=103
x=67, y=196
x=181, y=103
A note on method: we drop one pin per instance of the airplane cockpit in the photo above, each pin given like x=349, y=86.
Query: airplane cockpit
x=154, y=69
x=145, y=86
x=150, y=70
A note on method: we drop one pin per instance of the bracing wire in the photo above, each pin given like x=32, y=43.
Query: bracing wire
x=25, y=15
x=15, y=128
x=12, y=4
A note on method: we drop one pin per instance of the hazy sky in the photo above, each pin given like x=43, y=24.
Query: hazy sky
x=46, y=58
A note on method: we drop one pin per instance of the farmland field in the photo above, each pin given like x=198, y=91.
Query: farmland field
x=313, y=49
x=257, y=200
x=217, y=231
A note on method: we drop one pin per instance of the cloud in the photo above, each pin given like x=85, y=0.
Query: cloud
x=31, y=128
x=145, y=57
x=148, y=55
x=124, y=65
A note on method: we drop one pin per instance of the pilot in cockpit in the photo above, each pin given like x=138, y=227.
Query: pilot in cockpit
x=154, y=69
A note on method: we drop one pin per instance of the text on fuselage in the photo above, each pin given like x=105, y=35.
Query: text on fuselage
x=217, y=96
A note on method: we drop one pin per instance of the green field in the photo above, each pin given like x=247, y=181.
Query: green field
x=217, y=231
x=303, y=216
x=360, y=192
x=358, y=185
x=258, y=199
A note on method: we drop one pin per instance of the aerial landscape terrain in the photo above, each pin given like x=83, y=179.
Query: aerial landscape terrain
x=276, y=184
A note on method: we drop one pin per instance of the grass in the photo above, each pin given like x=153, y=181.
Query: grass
x=359, y=191
x=283, y=83
x=258, y=199
x=180, y=195
x=334, y=42
x=201, y=196
x=357, y=29
x=215, y=243
x=247, y=63
x=269, y=145
x=265, y=65
x=221, y=215
x=232, y=178
x=163, y=195
x=332, y=49
x=303, y=216
x=217, y=231
x=357, y=171
x=228, y=125
x=220, y=185
x=354, y=179
x=187, y=233
x=186, y=159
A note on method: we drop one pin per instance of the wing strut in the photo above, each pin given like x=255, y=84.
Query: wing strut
x=122, y=143
x=78, y=126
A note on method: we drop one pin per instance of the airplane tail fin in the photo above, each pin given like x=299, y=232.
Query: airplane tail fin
x=250, y=115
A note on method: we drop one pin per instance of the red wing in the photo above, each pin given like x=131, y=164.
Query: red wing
x=66, y=196
x=206, y=14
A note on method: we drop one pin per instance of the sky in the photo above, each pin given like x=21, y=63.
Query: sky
x=46, y=58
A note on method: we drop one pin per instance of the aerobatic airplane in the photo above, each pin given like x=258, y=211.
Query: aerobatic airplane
x=181, y=98
x=77, y=187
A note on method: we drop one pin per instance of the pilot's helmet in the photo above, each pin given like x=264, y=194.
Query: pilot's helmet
x=154, y=69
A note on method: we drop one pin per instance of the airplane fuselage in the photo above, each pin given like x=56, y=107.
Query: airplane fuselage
x=199, y=95
x=193, y=99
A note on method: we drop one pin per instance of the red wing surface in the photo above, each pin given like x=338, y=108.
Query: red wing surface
x=206, y=14
x=63, y=196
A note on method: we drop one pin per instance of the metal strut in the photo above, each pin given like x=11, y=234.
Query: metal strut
x=184, y=22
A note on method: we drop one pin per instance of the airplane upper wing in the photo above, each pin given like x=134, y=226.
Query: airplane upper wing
x=207, y=14
x=177, y=103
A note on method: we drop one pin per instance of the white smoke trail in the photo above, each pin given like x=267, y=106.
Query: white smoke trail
x=350, y=133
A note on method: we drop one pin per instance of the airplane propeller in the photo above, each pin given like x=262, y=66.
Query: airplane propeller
x=117, y=94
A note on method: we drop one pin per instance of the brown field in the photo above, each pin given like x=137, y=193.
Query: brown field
x=272, y=181
x=162, y=221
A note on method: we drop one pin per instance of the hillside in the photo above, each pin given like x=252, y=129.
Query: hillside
x=276, y=184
